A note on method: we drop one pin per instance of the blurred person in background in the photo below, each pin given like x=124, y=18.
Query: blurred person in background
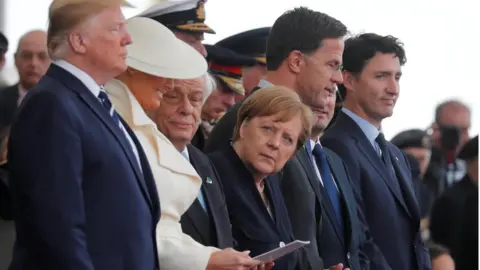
x=441, y=259
x=32, y=61
x=450, y=131
x=252, y=43
x=226, y=67
x=186, y=19
x=272, y=125
x=448, y=210
x=416, y=144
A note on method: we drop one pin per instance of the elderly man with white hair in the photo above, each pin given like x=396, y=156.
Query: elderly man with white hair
x=158, y=64
x=82, y=188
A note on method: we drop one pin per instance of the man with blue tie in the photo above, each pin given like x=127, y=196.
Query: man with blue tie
x=378, y=170
x=83, y=191
x=342, y=238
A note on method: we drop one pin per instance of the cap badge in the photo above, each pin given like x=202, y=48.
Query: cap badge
x=201, y=10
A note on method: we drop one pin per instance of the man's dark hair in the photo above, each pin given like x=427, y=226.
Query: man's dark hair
x=440, y=108
x=360, y=49
x=300, y=29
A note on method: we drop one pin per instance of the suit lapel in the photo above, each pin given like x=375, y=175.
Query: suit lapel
x=312, y=176
x=407, y=188
x=197, y=216
x=96, y=107
x=272, y=197
x=340, y=178
x=319, y=190
x=202, y=166
x=368, y=151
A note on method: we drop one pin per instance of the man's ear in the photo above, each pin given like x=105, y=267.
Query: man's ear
x=348, y=79
x=295, y=61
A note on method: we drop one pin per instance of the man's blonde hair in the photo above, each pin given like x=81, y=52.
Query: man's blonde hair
x=66, y=15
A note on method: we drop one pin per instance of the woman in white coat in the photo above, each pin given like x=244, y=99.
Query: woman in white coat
x=155, y=58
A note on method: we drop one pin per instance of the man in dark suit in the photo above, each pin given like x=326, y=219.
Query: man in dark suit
x=313, y=74
x=83, y=191
x=206, y=220
x=446, y=226
x=378, y=170
x=31, y=61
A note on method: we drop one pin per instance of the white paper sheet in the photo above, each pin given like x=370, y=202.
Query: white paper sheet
x=274, y=254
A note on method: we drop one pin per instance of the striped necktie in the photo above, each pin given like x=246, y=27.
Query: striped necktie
x=103, y=96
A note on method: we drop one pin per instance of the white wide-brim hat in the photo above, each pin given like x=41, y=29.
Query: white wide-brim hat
x=155, y=50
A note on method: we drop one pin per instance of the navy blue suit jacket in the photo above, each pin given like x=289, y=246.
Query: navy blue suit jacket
x=81, y=199
x=392, y=218
x=334, y=244
x=252, y=227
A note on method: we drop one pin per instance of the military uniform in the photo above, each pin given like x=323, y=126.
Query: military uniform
x=226, y=66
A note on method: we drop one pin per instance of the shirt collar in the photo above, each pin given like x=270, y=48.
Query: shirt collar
x=185, y=153
x=264, y=83
x=86, y=79
x=367, y=128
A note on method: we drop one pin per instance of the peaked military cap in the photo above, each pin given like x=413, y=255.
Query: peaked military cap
x=227, y=66
x=184, y=15
x=3, y=43
x=470, y=150
x=252, y=43
x=411, y=138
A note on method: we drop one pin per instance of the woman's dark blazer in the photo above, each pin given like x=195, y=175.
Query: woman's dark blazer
x=252, y=227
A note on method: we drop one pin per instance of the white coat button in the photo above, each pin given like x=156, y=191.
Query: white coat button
x=282, y=244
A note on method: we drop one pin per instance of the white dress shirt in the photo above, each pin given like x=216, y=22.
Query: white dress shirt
x=176, y=180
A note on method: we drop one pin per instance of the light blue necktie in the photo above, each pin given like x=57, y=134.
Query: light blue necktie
x=200, y=193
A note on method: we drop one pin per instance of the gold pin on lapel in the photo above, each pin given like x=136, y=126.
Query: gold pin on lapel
x=209, y=180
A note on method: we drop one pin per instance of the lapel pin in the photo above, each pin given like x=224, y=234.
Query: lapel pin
x=396, y=158
x=209, y=180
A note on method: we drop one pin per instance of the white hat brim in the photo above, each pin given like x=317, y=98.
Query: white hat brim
x=155, y=50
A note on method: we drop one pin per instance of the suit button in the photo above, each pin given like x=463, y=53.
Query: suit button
x=348, y=255
x=282, y=244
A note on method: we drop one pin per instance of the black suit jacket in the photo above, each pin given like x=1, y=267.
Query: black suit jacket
x=300, y=199
x=212, y=229
x=252, y=227
x=8, y=105
x=447, y=214
x=334, y=244
x=468, y=238
x=392, y=216
x=81, y=199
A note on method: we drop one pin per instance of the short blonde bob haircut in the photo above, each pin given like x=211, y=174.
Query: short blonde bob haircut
x=271, y=101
